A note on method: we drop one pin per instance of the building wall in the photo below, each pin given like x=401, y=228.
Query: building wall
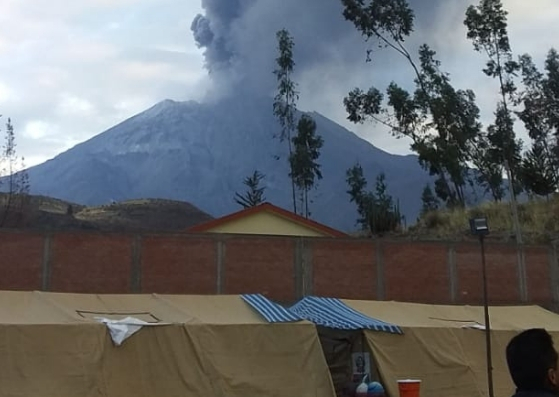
x=283, y=268
x=267, y=224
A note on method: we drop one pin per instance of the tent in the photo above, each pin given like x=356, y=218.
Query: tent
x=339, y=328
x=68, y=345
x=444, y=346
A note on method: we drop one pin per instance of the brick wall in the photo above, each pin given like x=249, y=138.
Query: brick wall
x=281, y=268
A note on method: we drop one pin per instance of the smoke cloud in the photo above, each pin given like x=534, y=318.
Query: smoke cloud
x=238, y=38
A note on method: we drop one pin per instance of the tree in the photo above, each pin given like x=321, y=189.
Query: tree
x=305, y=170
x=284, y=106
x=551, y=91
x=428, y=200
x=385, y=214
x=377, y=211
x=509, y=155
x=487, y=28
x=389, y=22
x=488, y=172
x=358, y=195
x=439, y=120
x=538, y=172
x=540, y=115
x=255, y=193
x=15, y=178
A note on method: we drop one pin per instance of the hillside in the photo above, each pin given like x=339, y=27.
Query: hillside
x=146, y=215
x=201, y=152
x=539, y=220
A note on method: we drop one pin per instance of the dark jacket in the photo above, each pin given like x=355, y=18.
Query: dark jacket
x=535, y=393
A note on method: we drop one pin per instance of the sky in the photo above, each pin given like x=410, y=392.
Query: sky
x=71, y=70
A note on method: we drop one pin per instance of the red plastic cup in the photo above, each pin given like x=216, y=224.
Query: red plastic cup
x=409, y=387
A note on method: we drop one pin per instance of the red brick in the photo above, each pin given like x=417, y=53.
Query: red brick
x=179, y=265
x=260, y=265
x=91, y=263
x=538, y=278
x=502, y=274
x=21, y=261
x=416, y=272
x=344, y=269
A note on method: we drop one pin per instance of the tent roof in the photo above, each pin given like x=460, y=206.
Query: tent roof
x=326, y=312
x=63, y=308
x=271, y=311
x=411, y=315
x=334, y=313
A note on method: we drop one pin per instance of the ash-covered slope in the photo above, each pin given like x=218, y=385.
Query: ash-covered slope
x=200, y=153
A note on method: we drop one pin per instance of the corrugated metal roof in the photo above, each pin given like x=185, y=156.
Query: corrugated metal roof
x=333, y=313
x=271, y=311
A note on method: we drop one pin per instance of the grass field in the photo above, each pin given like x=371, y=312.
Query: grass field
x=539, y=220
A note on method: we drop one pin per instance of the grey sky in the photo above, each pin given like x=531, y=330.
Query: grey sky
x=73, y=69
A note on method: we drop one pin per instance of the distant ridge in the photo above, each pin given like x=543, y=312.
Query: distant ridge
x=200, y=153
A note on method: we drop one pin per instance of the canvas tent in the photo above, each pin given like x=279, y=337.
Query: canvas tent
x=444, y=346
x=54, y=345
x=339, y=328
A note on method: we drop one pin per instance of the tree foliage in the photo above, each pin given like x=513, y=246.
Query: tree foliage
x=385, y=214
x=255, y=192
x=539, y=173
x=284, y=106
x=387, y=22
x=429, y=201
x=487, y=27
x=505, y=147
x=15, y=180
x=540, y=115
x=441, y=122
x=305, y=169
x=357, y=184
x=487, y=173
x=377, y=210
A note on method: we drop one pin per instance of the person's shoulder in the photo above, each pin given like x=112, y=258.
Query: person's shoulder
x=535, y=393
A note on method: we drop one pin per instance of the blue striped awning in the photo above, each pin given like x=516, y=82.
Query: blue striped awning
x=333, y=313
x=271, y=311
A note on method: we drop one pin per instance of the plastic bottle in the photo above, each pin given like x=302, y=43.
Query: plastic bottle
x=375, y=389
x=362, y=389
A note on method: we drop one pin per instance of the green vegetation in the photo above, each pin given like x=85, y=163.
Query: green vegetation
x=254, y=194
x=304, y=146
x=305, y=169
x=378, y=213
x=285, y=101
x=444, y=127
x=14, y=182
x=539, y=220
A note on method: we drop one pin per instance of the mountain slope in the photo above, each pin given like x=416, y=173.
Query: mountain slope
x=46, y=213
x=201, y=152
